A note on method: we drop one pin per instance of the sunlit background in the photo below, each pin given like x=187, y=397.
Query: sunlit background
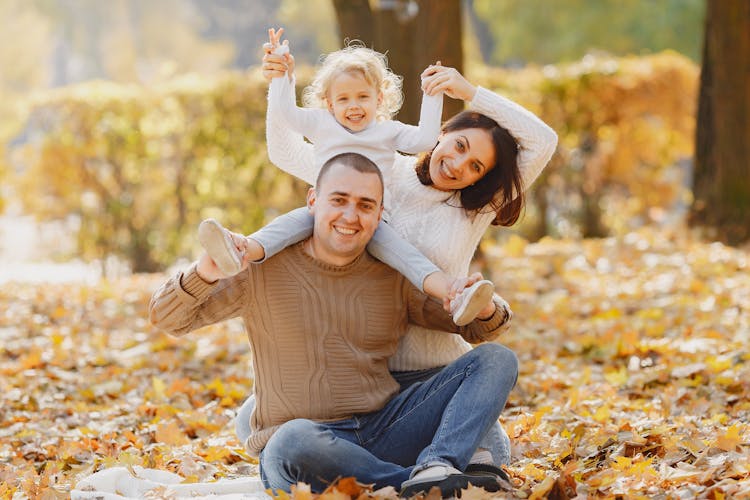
x=124, y=123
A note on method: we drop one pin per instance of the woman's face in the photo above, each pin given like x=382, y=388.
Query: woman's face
x=461, y=158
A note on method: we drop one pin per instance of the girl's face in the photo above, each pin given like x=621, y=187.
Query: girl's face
x=461, y=158
x=353, y=101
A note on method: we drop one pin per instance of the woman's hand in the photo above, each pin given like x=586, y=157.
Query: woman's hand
x=437, y=78
x=276, y=65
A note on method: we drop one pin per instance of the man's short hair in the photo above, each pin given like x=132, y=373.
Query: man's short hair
x=356, y=161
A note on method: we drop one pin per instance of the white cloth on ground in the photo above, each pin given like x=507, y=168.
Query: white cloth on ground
x=117, y=483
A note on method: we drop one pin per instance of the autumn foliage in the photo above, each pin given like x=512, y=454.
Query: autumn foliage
x=138, y=168
x=634, y=377
x=134, y=169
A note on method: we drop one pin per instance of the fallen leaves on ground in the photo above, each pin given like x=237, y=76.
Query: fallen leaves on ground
x=635, y=377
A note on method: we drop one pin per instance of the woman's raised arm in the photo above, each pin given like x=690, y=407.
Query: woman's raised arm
x=536, y=140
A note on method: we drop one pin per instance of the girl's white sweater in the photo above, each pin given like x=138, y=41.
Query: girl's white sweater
x=427, y=217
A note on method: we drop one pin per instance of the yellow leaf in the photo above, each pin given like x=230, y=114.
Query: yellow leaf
x=33, y=359
x=730, y=440
x=622, y=463
x=159, y=387
x=278, y=495
x=530, y=470
x=618, y=377
x=602, y=414
x=218, y=387
x=515, y=246
x=541, y=489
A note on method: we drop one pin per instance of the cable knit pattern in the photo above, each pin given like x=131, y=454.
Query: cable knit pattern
x=321, y=335
x=424, y=216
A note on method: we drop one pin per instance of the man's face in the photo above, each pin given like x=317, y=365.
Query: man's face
x=347, y=209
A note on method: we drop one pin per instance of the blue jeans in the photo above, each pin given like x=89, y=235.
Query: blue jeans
x=439, y=421
x=496, y=441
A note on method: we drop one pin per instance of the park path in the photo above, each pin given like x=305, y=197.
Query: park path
x=27, y=251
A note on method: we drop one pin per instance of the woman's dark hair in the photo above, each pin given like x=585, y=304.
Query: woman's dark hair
x=504, y=177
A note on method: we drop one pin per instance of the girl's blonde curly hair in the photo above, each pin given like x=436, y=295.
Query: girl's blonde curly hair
x=372, y=65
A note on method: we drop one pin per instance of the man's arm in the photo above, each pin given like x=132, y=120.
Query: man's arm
x=427, y=312
x=188, y=301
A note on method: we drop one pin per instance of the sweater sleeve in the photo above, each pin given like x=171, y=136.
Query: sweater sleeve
x=413, y=140
x=287, y=148
x=186, y=302
x=536, y=140
x=429, y=313
x=281, y=99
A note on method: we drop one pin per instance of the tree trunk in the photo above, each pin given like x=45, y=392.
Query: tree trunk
x=722, y=175
x=355, y=21
x=411, y=43
x=439, y=37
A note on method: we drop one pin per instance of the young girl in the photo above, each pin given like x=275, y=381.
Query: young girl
x=350, y=104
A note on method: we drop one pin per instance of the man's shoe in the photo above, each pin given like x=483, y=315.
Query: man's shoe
x=219, y=245
x=469, y=302
x=449, y=480
x=487, y=470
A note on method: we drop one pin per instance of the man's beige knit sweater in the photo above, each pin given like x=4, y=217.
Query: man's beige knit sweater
x=320, y=334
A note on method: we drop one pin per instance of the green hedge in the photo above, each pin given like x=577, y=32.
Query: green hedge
x=140, y=167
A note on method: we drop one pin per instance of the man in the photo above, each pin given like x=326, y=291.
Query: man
x=323, y=317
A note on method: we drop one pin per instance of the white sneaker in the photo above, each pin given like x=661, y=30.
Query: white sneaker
x=468, y=303
x=219, y=246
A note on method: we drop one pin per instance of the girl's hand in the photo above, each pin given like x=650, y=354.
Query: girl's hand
x=276, y=65
x=437, y=78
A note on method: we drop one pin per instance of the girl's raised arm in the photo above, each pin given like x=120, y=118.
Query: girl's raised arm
x=413, y=140
x=287, y=148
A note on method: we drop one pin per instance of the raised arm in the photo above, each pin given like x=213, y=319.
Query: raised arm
x=536, y=140
x=287, y=148
x=282, y=100
x=187, y=302
x=413, y=140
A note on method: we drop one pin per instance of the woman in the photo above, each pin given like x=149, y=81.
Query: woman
x=442, y=202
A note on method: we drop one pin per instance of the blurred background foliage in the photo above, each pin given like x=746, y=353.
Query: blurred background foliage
x=147, y=116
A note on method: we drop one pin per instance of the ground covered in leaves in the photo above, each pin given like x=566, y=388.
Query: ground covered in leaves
x=635, y=376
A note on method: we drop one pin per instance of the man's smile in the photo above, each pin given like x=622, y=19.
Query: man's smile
x=345, y=230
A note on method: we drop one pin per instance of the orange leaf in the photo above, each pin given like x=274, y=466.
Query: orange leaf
x=170, y=433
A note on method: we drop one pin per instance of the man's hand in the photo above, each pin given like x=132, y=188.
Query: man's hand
x=207, y=269
x=275, y=64
x=459, y=285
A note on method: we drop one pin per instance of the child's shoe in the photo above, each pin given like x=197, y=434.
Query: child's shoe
x=219, y=245
x=469, y=302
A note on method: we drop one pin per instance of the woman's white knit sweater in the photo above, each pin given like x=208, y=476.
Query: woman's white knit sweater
x=427, y=217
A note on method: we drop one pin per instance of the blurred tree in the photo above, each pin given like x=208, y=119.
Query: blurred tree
x=27, y=37
x=243, y=22
x=543, y=32
x=722, y=173
x=311, y=26
x=139, y=167
x=130, y=40
x=624, y=124
x=414, y=34
x=20, y=62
